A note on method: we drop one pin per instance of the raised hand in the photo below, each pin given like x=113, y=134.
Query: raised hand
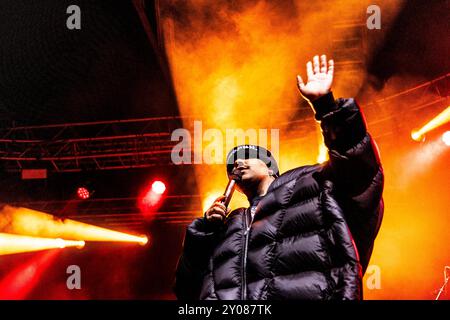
x=320, y=78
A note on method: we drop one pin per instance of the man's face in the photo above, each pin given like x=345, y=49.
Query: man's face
x=252, y=171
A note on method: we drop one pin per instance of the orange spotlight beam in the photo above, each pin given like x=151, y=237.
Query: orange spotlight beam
x=437, y=121
x=12, y=243
x=39, y=224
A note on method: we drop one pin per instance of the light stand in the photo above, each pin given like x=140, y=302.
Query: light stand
x=446, y=278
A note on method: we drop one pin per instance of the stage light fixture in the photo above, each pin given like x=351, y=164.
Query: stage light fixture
x=158, y=187
x=446, y=138
x=439, y=120
x=83, y=193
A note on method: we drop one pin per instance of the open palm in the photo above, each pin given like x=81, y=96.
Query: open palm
x=320, y=78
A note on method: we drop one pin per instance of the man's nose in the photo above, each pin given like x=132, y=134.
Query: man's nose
x=239, y=163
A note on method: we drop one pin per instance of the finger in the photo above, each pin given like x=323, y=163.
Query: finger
x=316, y=64
x=218, y=210
x=300, y=83
x=215, y=207
x=330, y=67
x=221, y=205
x=323, y=63
x=220, y=198
x=215, y=217
x=309, y=70
x=213, y=214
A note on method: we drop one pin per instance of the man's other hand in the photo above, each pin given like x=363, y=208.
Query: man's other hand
x=320, y=78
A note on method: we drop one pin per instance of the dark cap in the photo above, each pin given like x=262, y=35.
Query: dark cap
x=248, y=151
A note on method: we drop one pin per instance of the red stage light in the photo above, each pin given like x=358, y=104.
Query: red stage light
x=158, y=187
x=19, y=283
x=151, y=198
x=446, y=138
x=83, y=193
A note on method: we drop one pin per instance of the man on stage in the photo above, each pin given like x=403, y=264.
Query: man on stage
x=308, y=233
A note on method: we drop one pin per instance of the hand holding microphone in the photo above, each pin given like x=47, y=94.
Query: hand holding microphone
x=219, y=210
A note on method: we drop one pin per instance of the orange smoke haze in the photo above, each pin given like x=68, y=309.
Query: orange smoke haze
x=235, y=66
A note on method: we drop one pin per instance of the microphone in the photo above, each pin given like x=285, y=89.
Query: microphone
x=229, y=190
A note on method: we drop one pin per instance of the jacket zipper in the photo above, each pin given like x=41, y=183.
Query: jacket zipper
x=244, y=257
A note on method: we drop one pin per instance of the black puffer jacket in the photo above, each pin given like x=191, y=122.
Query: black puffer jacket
x=312, y=234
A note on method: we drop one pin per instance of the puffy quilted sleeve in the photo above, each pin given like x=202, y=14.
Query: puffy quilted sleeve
x=199, y=241
x=354, y=167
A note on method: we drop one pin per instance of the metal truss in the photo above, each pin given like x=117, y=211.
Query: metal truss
x=402, y=110
x=101, y=145
x=120, y=213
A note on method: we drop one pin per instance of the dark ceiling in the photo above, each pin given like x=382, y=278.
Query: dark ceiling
x=416, y=44
x=106, y=70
